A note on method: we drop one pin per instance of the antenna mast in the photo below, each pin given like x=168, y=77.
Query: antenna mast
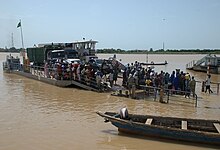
x=12, y=40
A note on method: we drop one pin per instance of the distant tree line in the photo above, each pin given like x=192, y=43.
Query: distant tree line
x=150, y=51
x=12, y=50
x=160, y=51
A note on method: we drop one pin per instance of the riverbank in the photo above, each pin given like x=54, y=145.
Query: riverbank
x=169, y=52
x=164, y=53
x=161, y=51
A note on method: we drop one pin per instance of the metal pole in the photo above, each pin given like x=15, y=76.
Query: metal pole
x=208, y=67
x=12, y=40
x=168, y=96
x=163, y=32
x=196, y=100
x=163, y=46
x=203, y=86
x=218, y=88
x=22, y=41
x=147, y=58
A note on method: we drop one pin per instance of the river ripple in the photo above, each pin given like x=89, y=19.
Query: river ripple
x=35, y=115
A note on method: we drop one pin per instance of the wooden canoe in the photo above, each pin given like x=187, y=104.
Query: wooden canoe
x=155, y=64
x=182, y=129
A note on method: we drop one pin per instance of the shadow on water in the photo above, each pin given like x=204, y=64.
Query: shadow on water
x=211, y=107
x=111, y=132
x=151, y=139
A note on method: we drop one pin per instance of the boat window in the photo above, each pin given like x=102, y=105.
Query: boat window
x=72, y=55
x=58, y=54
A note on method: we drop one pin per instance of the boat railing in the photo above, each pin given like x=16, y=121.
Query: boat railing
x=11, y=66
x=187, y=94
x=165, y=93
x=191, y=64
x=5, y=65
x=214, y=85
x=201, y=61
x=53, y=73
x=65, y=74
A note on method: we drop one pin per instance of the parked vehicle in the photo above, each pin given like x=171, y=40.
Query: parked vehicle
x=74, y=61
x=63, y=54
x=36, y=55
x=96, y=62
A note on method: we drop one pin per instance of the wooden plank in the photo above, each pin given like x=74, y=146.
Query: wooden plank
x=217, y=126
x=184, y=125
x=149, y=121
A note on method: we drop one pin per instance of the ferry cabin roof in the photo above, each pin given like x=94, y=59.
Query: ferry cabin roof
x=84, y=48
x=85, y=44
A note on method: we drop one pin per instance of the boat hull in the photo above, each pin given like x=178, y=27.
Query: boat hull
x=60, y=83
x=154, y=64
x=166, y=134
x=136, y=128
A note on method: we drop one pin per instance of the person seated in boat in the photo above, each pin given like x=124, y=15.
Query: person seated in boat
x=124, y=113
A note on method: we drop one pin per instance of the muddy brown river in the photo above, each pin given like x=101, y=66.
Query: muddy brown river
x=39, y=116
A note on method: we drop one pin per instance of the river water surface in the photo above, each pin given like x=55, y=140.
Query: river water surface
x=39, y=116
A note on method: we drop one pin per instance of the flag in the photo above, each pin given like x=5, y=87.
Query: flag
x=19, y=24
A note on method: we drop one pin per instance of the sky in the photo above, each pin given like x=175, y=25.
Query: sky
x=119, y=24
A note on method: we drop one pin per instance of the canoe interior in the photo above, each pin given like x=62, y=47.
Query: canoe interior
x=169, y=122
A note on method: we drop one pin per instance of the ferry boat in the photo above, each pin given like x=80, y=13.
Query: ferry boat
x=40, y=64
x=11, y=63
x=210, y=64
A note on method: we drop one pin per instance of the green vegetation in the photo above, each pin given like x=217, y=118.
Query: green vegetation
x=160, y=51
x=150, y=51
x=11, y=50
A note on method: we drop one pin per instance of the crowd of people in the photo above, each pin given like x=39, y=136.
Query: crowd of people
x=178, y=81
x=134, y=75
x=100, y=77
